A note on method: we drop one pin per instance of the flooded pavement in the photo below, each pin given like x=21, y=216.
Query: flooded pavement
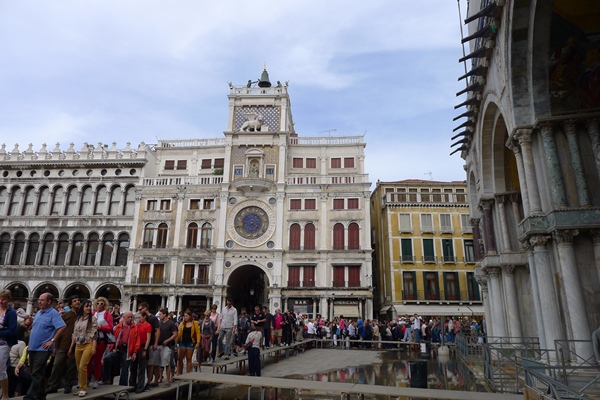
x=386, y=368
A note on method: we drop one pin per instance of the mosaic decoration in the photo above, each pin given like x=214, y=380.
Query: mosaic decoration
x=270, y=116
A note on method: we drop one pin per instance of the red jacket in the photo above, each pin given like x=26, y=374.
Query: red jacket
x=133, y=345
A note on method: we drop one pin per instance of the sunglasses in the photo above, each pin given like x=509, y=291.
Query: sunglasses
x=100, y=303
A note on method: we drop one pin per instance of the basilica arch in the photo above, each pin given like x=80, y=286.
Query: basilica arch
x=248, y=286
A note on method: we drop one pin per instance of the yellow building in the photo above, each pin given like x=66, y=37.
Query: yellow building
x=424, y=252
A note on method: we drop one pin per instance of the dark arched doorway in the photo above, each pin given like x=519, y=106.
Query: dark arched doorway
x=78, y=289
x=247, y=286
x=19, y=292
x=111, y=292
x=45, y=288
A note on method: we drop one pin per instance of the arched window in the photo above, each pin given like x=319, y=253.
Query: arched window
x=29, y=201
x=47, y=249
x=309, y=237
x=86, y=201
x=15, y=198
x=122, y=250
x=34, y=246
x=71, y=201
x=129, y=201
x=100, y=200
x=92, y=249
x=18, y=249
x=161, y=237
x=353, y=236
x=3, y=199
x=295, y=237
x=4, y=247
x=338, y=237
x=63, y=247
x=44, y=199
x=77, y=249
x=59, y=194
x=107, y=249
x=149, y=230
x=192, y=235
x=205, y=240
x=115, y=200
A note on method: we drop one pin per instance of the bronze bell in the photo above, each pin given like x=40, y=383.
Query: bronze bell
x=264, y=79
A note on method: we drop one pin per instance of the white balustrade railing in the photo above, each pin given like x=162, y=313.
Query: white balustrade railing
x=183, y=180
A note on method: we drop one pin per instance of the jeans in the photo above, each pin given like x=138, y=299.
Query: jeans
x=38, y=360
x=213, y=352
x=227, y=333
x=137, y=378
x=254, y=361
x=83, y=355
x=407, y=334
x=267, y=337
x=120, y=357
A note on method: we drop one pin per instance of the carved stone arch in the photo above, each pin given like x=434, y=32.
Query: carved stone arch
x=19, y=291
x=486, y=136
x=110, y=290
x=77, y=288
x=248, y=284
x=47, y=287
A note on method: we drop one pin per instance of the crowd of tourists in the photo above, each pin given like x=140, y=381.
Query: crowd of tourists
x=81, y=344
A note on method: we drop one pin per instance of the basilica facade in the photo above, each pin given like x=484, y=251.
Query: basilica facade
x=260, y=214
x=531, y=144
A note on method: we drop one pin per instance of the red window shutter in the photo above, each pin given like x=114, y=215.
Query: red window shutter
x=219, y=162
x=338, y=204
x=309, y=276
x=352, y=204
x=295, y=237
x=293, y=276
x=354, y=276
x=349, y=162
x=169, y=164
x=310, y=204
x=206, y=163
x=297, y=163
x=311, y=163
x=338, y=237
x=339, y=279
x=309, y=237
x=336, y=163
x=181, y=164
x=353, y=236
x=295, y=204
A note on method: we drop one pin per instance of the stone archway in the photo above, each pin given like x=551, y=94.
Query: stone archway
x=248, y=286
x=19, y=292
x=45, y=288
x=78, y=289
x=111, y=292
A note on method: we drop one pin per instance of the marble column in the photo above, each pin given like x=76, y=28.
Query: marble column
x=548, y=299
x=514, y=202
x=134, y=308
x=555, y=175
x=512, y=304
x=500, y=200
x=488, y=226
x=496, y=303
x=595, y=233
x=593, y=128
x=476, y=238
x=29, y=308
x=577, y=164
x=535, y=294
x=531, y=186
x=510, y=143
x=485, y=296
x=578, y=318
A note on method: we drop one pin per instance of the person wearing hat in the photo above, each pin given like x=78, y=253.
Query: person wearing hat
x=63, y=365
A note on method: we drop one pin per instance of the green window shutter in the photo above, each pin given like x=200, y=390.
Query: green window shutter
x=447, y=248
x=428, y=247
x=445, y=297
x=406, y=247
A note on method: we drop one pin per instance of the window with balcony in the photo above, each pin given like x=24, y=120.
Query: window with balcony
x=29, y=201
x=465, y=223
x=34, y=245
x=219, y=163
x=202, y=275
x=349, y=162
x=451, y=286
x=195, y=204
x=101, y=194
x=469, y=251
x=122, y=250
x=206, y=236
x=461, y=197
x=353, y=236
x=309, y=237
x=428, y=251
x=407, y=250
x=425, y=196
x=295, y=233
x=148, y=239
x=432, y=290
x=338, y=204
x=412, y=195
x=295, y=204
x=448, y=250
x=188, y=274
x=405, y=223
x=293, y=276
x=152, y=205
x=426, y=223
x=445, y=223
x=165, y=205
x=15, y=198
x=352, y=204
x=338, y=236
x=297, y=163
x=311, y=163
x=144, y=274
x=192, y=235
x=308, y=276
x=3, y=200
x=19, y=247
x=436, y=195
x=336, y=163
x=129, y=201
x=339, y=276
x=409, y=286
x=472, y=287
x=310, y=204
x=209, y=204
x=158, y=275
x=107, y=249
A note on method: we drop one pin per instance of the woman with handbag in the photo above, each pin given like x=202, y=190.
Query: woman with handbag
x=83, y=341
x=188, y=339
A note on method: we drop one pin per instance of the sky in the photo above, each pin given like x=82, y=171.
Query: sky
x=106, y=70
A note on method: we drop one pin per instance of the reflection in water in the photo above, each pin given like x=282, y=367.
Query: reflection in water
x=443, y=372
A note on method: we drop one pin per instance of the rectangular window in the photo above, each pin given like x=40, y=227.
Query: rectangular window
x=181, y=164
x=338, y=204
x=354, y=276
x=293, y=276
x=158, y=276
x=428, y=252
x=219, y=163
x=311, y=163
x=308, y=279
x=188, y=274
x=469, y=251
x=352, y=204
x=194, y=204
x=208, y=204
x=409, y=284
x=144, y=274
x=448, y=250
x=169, y=165
x=445, y=223
x=426, y=223
x=206, y=163
x=407, y=253
x=151, y=205
x=202, y=275
x=412, y=195
x=349, y=162
x=297, y=163
x=436, y=195
x=472, y=287
x=165, y=204
x=465, y=223
x=310, y=204
x=451, y=286
x=461, y=197
x=339, y=279
x=295, y=204
x=336, y=163
x=405, y=223
x=432, y=290
x=425, y=196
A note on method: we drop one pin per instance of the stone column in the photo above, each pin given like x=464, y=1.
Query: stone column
x=535, y=293
x=54, y=253
x=555, y=176
x=38, y=255
x=476, y=238
x=582, y=190
x=134, y=309
x=485, y=296
x=121, y=210
x=510, y=292
x=514, y=202
x=521, y=171
x=531, y=186
x=593, y=128
x=69, y=253
x=548, y=300
x=78, y=203
x=595, y=233
x=488, y=226
x=23, y=259
x=29, y=308
x=578, y=319
x=500, y=200
x=497, y=305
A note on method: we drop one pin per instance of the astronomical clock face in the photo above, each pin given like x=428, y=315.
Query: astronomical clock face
x=251, y=223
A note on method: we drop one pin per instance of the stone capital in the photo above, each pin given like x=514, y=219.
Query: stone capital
x=595, y=233
x=474, y=222
x=593, y=126
x=501, y=198
x=508, y=270
x=486, y=204
x=526, y=245
x=565, y=236
x=513, y=145
x=570, y=126
x=546, y=128
x=482, y=281
x=492, y=272
x=523, y=135
x=539, y=241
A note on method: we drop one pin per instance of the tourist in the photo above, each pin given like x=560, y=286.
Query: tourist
x=243, y=327
x=252, y=345
x=64, y=366
x=84, y=342
x=153, y=356
x=376, y=336
x=277, y=327
x=416, y=327
x=227, y=325
x=596, y=345
x=8, y=338
x=287, y=327
x=16, y=352
x=258, y=321
x=166, y=343
x=207, y=332
x=20, y=311
x=105, y=335
x=188, y=339
x=368, y=333
x=268, y=326
x=214, y=317
x=23, y=373
x=139, y=364
x=123, y=351
x=46, y=329
x=116, y=314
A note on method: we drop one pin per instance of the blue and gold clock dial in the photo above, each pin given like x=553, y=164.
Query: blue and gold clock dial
x=251, y=222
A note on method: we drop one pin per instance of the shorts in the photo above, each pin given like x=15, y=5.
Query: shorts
x=187, y=345
x=277, y=332
x=154, y=356
x=165, y=355
x=4, y=355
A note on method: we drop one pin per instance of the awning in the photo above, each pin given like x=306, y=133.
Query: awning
x=435, y=310
x=384, y=309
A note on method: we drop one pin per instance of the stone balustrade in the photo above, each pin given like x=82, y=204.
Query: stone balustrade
x=88, y=152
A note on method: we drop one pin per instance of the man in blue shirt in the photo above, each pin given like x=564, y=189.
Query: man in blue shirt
x=47, y=327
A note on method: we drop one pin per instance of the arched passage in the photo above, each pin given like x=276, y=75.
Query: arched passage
x=111, y=292
x=19, y=292
x=248, y=286
x=78, y=289
x=46, y=288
